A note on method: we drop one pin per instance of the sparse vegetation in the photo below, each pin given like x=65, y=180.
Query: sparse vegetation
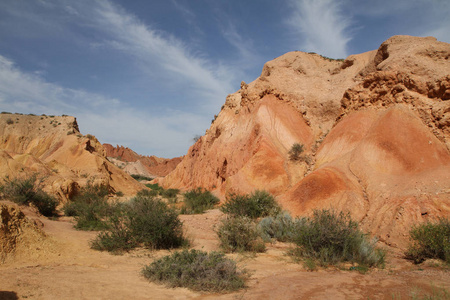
x=197, y=270
x=170, y=193
x=296, y=152
x=90, y=207
x=430, y=240
x=154, y=186
x=331, y=238
x=238, y=234
x=436, y=294
x=281, y=227
x=198, y=200
x=144, y=221
x=196, y=138
x=149, y=193
x=156, y=190
x=327, y=58
x=28, y=190
x=9, y=121
x=256, y=205
x=141, y=177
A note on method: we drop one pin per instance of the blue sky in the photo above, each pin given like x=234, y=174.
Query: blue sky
x=151, y=75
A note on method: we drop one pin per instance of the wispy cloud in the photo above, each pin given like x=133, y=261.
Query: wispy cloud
x=321, y=27
x=167, y=134
x=156, y=49
x=30, y=91
x=166, y=62
x=246, y=51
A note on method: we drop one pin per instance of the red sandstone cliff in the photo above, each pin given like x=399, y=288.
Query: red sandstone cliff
x=133, y=163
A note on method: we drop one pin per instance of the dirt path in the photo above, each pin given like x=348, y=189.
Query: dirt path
x=66, y=268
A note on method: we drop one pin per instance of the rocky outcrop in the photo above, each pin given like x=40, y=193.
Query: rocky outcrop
x=16, y=231
x=53, y=147
x=133, y=163
x=375, y=128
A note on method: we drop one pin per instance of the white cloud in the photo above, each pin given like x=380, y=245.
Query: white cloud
x=167, y=134
x=159, y=52
x=244, y=46
x=321, y=27
x=30, y=91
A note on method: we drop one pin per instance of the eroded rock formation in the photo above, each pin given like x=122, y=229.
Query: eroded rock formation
x=375, y=128
x=53, y=147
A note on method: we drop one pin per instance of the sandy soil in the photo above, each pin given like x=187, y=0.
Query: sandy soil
x=66, y=268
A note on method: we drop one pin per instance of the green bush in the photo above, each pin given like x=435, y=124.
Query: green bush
x=198, y=200
x=26, y=191
x=144, y=221
x=238, y=234
x=154, y=186
x=196, y=270
x=170, y=193
x=154, y=224
x=430, y=240
x=281, y=227
x=296, y=151
x=147, y=193
x=141, y=177
x=118, y=237
x=258, y=204
x=331, y=238
x=90, y=207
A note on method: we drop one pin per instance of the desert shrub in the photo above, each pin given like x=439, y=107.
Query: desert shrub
x=296, y=151
x=141, y=177
x=90, y=207
x=330, y=238
x=143, y=221
x=9, y=121
x=28, y=190
x=154, y=224
x=198, y=200
x=170, y=193
x=147, y=193
x=281, y=227
x=197, y=270
x=430, y=240
x=239, y=233
x=154, y=186
x=118, y=237
x=258, y=204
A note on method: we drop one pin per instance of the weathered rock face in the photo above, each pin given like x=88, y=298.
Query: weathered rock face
x=133, y=163
x=16, y=231
x=54, y=148
x=375, y=128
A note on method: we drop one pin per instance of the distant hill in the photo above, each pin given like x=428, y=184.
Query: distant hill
x=54, y=148
x=135, y=164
